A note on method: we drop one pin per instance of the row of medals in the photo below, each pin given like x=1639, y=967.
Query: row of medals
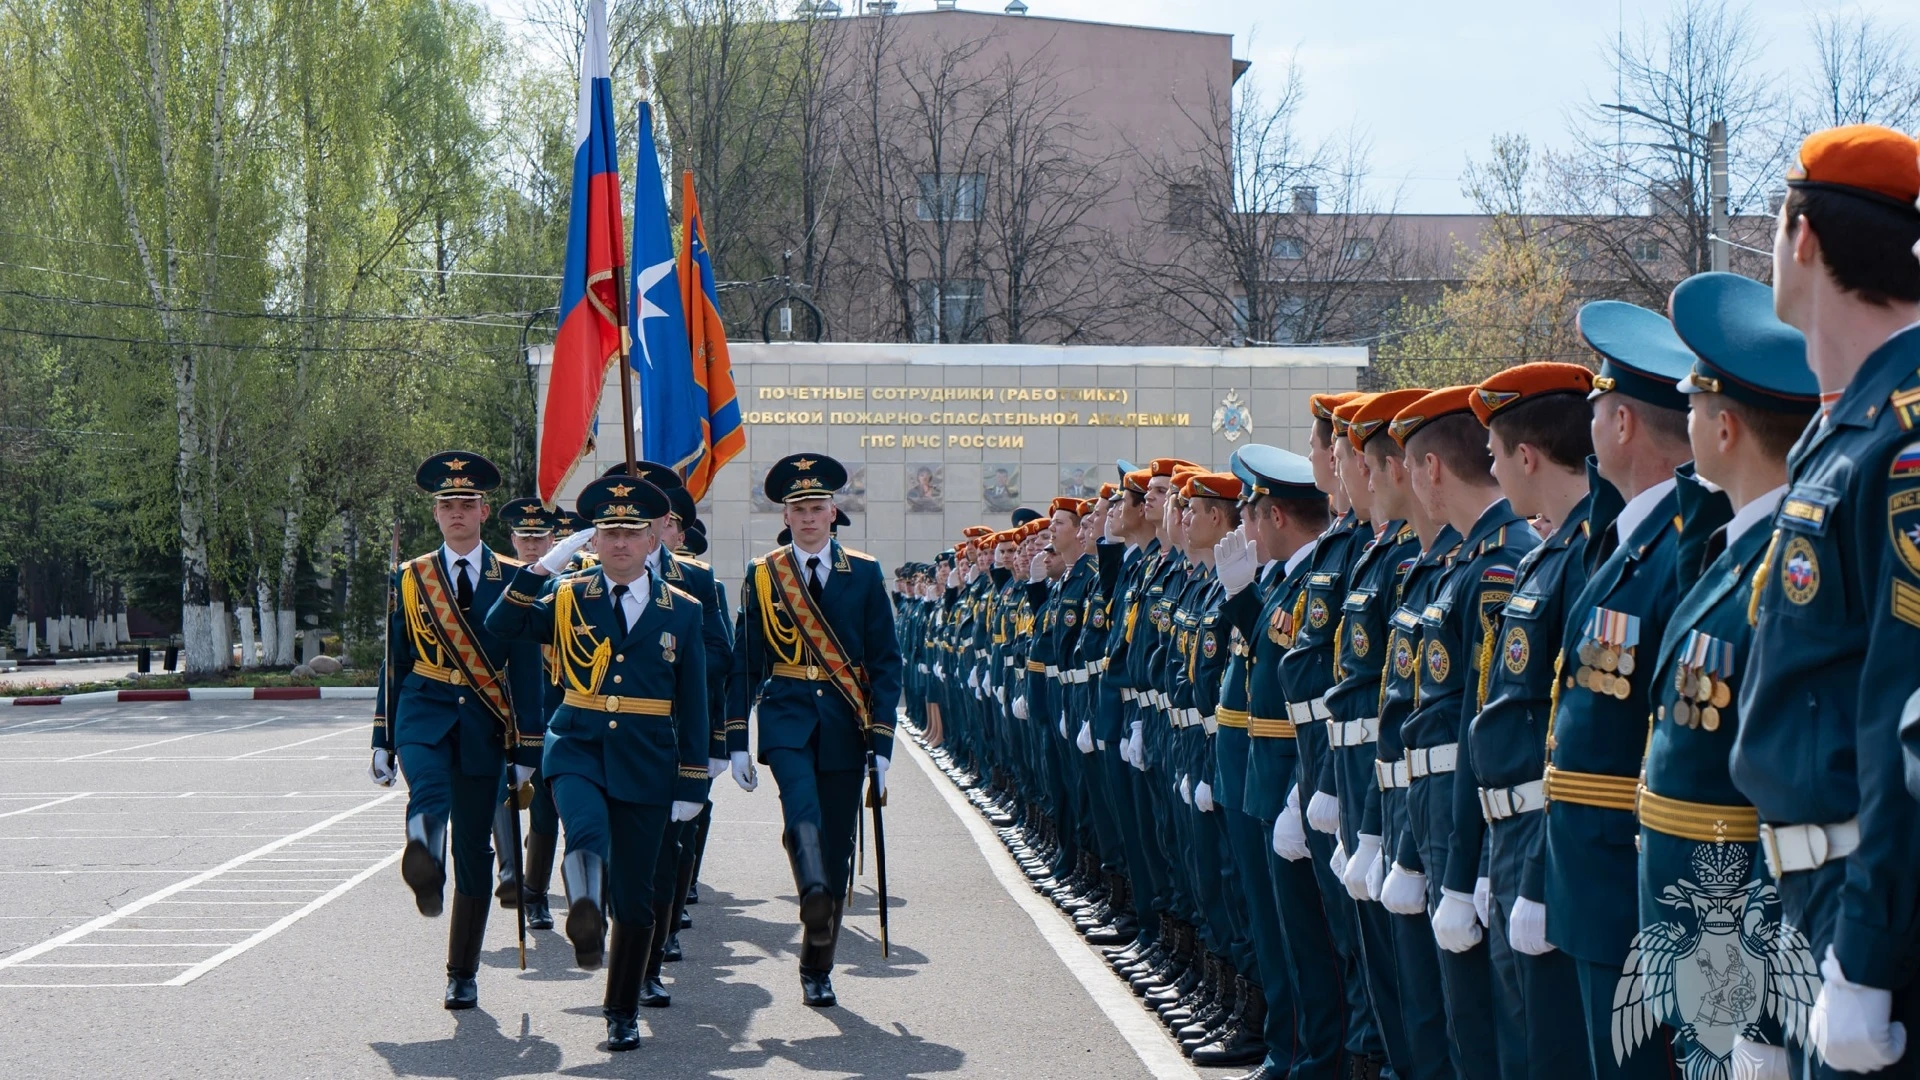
x=1701, y=698
x=1604, y=669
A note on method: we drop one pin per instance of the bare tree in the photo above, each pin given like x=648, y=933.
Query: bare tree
x=1861, y=75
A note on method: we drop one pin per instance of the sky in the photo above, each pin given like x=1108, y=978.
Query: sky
x=1429, y=84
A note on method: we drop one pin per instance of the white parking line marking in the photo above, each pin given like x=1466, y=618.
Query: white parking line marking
x=175, y=739
x=270, y=749
x=292, y=917
x=151, y=899
x=44, y=805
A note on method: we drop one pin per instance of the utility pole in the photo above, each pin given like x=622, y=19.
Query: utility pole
x=1718, y=247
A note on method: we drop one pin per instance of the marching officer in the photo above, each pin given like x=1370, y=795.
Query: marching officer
x=1751, y=395
x=1537, y=420
x=447, y=713
x=818, y=656
x=1829, y=690
x=533, y=527
x=1597, y=732
x=626, y=751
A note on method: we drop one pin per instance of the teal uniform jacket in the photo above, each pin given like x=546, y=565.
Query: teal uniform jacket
x=1699, y=867
x=1306, y=671
x=1598, y=733
x=1233, y=746
x=651, y=760
x=1506, y=743
x=1118, y=570
x=412, y=707
x=1400, y=688
x=1273, y=760
x=1360, y=660
x=695, y=578
x=791, y=710
x=1830, y=690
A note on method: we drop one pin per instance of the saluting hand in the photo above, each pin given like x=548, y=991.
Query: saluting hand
x=556, y=560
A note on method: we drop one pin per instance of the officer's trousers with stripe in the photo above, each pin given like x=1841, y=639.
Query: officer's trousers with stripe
x=440, y=790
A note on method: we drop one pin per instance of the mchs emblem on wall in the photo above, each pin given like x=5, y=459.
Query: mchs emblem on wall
x=1232, y=418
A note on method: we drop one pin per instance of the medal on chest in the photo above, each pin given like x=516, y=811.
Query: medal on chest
x=1608, y=653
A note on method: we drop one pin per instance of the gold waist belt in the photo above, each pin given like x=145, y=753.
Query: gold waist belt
x=1262, y=728
x=1036, y=667
x=808, y=672
x=1232, y=718
x=1592, y=789
x=438, y=673
x=614, y=703
x=1703, y=822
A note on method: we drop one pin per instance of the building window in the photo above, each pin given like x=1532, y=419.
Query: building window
x=1290, y=248
x=1646, y=250
x=1186, y=206
x=1358, y=249
x=949, y=313
x=951, y=197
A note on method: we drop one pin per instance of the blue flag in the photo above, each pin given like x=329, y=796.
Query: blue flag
x=672, y=404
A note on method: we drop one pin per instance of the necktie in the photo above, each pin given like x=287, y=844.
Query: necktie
x=813, y=577
x=464, y=587
x=620, y=608
x=1716, y=545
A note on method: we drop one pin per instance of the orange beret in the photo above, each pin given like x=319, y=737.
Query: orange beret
x=1529, y=380
x=1206, y=485
x=1343, y=413
x=1184, y=473
x=1071, y=505
x=1324, y=404
x=1036, y=526
x=1860, y=159
x=1108, y=491
x=960, y=549
x=1376, y=412
x=1137, y=480
x=1165, y=466
x=974, y=532
x=1431, y=407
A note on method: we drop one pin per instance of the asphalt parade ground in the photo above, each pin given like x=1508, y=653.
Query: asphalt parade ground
x=211, y=889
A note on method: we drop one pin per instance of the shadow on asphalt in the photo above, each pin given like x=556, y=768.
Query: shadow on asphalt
x=715, y=999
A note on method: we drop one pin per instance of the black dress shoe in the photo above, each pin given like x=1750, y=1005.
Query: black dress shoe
x=653, y=993
x=539, y=915
x=421, y=866
x=1240, y=1047
x=693, y=894
x=671, y=954
x=533, y=893
x=816, y=989
x=686, y=921
x=623, y=1030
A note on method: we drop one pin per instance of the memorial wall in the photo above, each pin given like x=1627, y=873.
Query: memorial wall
x=937, y=437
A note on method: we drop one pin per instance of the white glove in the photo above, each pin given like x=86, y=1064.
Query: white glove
x=1000, y=692
x=1323, y=813
x=384, y=769
x=1527, y=927
x=716, y=766
x=1233, y=561
x=686, y=811
x=1020, y=707
x=521, y=774
x=1482, y=900
x=972, y=574
x=1361, y=861
x=1376, y=876
x=1107, y=527
x=556, y=559
x=1405, y=891
x=743, y=771
x=973, y=680
x=1186, y=790
x=938, y=672
x=1850, y=1026
x=1203, y=797
x=1084, y=740
x=1138, y=749
x=1758, y=1061
x=880, y=774
x=1456, y=927
x=953, y=578
x=1289, y=835
x=1338, y=863
x=1037, y=568
x=1063, y=725
x=979, y=694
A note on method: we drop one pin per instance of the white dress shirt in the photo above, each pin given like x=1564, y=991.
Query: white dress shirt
x=802, y=555
x=475, y=560
x=633, y=603
x=1754, y=513
x=1639, y=509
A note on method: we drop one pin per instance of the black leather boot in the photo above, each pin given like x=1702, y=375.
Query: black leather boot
x=626, y=960
x=810, y=882
x=465, y=933
x=422, y=864
x=1240, y=1042
x=653, y=992
x=816, y=964
x=539, y=876
x=508, y=889
x=584, y=876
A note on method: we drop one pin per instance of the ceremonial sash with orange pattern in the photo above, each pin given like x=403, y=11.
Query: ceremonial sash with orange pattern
x=819, y=636
x=468, y=657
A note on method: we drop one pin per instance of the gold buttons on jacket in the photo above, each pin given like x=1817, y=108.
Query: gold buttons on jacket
x=611, y=724
x=616, y=678
x=619, y=658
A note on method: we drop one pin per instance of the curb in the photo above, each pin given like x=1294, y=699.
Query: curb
x=56, y=661
x=205, y=693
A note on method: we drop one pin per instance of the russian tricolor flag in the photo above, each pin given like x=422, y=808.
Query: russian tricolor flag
x=590, y=331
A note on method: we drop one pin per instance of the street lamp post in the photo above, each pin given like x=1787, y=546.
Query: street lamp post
x=1718, y=245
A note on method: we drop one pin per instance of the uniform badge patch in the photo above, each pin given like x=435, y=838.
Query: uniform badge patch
x=1800, y=571
x=1516, y=650
x=1317, y=612
x=1360, y=641
x=1098, y=618
x=1402, y=656
x=1209, y=646
x=1438, y=663
x=1903, y=520
x=1907, y=463
x=1071, y=616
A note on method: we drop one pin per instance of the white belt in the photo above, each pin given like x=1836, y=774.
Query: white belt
x=1097, y=666
x=1500, y=803
x=1792, y=848
x=1178, y=718
x=1432, y=760
x=1208, y=722
x=1306, y=712
x=1052, y=672
x=1390, y=774
x=980, y=654
x=1009, y=662
x=1151, y=697
x=1354, y=732
x=1127, y=693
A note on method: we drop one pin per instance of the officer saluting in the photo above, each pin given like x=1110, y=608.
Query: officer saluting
x=627, y=748
x=817, y=654
x=1837, y=601
x=446, y=715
